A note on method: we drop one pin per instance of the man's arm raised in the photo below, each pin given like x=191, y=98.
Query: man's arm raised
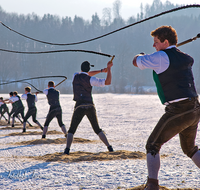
x=109, y=75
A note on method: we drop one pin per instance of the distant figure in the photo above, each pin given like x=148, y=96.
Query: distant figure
x=19, y=110
x=82, y=88
x=32, y=110
x=55, y=108
x=13, y=100
x=3, y=109
x=172, y=73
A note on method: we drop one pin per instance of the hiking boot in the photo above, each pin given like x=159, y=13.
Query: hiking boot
x=152, y=184
x=66, y=151
x=43, y=136
x=24, y=130
x=110, y=148
x=12, y=125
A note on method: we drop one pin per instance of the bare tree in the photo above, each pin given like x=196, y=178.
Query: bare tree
x=106, y=19
x=116, y=8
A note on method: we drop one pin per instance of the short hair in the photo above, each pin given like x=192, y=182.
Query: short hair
x=165, y=33
x=1, y=98
x=15, y=93
x=85, y=66
x=28, y=88
x=51, y=84
x=11, y=93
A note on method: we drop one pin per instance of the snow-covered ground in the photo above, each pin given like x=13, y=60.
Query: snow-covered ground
x=127, y=120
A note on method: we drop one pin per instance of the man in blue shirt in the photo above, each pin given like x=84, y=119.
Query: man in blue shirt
x=172, y=73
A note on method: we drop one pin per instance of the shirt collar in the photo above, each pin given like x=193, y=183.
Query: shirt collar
x=172, y=46
x=84, y=73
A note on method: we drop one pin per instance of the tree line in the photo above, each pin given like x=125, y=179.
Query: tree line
x=123, y=44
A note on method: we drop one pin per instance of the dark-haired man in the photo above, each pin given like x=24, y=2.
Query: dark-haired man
x=172, y=73
x=32, y=110
x=82, y=89
x=55, y=108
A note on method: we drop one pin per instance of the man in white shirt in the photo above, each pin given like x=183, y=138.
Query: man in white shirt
x=55, y=108
x=3, y=108
x=172, y=73
x=12, y=100
x=32, y=110
x=82, y=89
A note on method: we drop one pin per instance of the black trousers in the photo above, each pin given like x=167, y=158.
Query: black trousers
x=79, y=113
x=4, y=110
x=19, y=111
x=31, y=112
x=54, y=112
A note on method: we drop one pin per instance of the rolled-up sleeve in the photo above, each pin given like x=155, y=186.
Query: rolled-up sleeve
x=97, y=82
x=45, y=91
x=157, y=61
x=24, y=96
x=36, y=98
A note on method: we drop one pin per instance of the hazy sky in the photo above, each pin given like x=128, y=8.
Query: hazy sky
x=82, y=8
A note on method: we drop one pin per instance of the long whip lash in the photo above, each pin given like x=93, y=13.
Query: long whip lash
x=75, y=43
x=56, y=51
x=24, y=81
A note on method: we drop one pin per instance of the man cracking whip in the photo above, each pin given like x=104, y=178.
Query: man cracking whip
x=172, y=73
x=82, y=89
x=55, y=108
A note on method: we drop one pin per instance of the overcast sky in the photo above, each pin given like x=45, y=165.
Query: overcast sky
x=82, y=8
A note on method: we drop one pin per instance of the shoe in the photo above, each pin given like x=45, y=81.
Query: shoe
x=43, y=136
x=8, y=122
x=12, y=125
x=110, y=148
x=24, y=130
x=152, y=184
x=66, y=151
x=41, y=128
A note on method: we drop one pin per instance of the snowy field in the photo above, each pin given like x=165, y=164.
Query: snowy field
x=127, y=121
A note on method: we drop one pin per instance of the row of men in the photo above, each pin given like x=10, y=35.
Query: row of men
x=82, y=95
x=172, y=73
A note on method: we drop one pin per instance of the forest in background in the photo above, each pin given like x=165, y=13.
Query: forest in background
x=124, y=44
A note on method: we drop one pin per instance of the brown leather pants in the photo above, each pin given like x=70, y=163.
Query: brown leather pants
x=180, y=118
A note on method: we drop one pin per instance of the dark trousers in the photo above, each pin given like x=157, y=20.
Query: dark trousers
x=4, y=110
x=31, y=112
x=54, y=112
x=13, y=110
x=180, y=118
x=79, y=113
x=19, y=111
